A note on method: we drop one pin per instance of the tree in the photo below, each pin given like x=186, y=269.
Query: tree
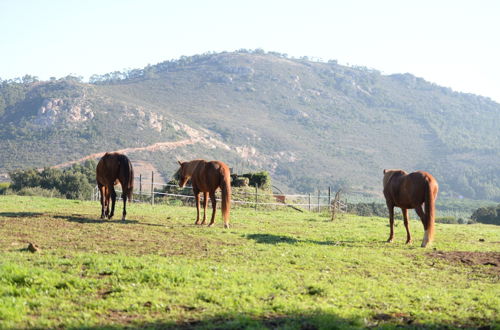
x=489, y=215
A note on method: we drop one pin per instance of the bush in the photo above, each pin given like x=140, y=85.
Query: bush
x=76, y=182
x=368, y=209
x=489, y=215
x=4, y=186
x=260, y=179
x=449, y=220
x=38, y=191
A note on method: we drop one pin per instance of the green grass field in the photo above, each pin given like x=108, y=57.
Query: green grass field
x=279, y=269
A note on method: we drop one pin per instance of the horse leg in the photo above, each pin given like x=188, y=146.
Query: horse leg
x=113, y=201
x=214, y=208
x=407, y=225
x=391, y=223
x=124, y=197
x=106, y=200
x=205, y=204
x=421, y=214
x=102, y=191
x=197, y=198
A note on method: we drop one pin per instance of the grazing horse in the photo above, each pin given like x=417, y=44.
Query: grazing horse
x=410, y=191
x=111, y=169
x=207, y=177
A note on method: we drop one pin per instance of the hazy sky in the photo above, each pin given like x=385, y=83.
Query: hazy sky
x=453, y=43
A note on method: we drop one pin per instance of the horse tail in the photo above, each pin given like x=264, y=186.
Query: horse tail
x=225, y=185
x=130, y=181
x=430, y=186
x=128, y=175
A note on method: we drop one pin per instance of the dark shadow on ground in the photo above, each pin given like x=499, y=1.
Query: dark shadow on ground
x=21, y=214
x=276, y=239
x=307, y=321
x=83, y=219
x=272, y=239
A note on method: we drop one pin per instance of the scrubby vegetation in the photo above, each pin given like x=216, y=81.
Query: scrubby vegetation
x=490, y=215
x=76, y=182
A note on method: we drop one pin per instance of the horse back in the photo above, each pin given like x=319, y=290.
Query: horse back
x=209, y=175
x=408, y=190
x=114, y=167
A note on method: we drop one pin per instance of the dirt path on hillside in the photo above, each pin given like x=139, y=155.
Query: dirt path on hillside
x=153, y=147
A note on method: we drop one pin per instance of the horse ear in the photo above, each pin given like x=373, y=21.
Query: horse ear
x=385, y=171
x=179, y=162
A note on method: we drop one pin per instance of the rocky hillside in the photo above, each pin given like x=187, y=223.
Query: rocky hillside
x=310, y=124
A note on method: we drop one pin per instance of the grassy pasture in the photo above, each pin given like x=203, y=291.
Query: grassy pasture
x=279, y=269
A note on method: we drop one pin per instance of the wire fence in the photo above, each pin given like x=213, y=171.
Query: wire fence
x=149, y=191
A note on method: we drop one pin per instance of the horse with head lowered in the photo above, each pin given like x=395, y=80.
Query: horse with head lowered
x=411, y=191
x=207, y=177
x=111, y=169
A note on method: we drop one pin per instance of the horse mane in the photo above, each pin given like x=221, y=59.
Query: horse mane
x=191, y=165
x=388, y=174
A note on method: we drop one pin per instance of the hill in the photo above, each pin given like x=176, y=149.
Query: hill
x=311, y=124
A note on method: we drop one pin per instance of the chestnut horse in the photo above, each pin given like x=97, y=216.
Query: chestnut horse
x=207, y=177
x=410, y=191
x=111, y=169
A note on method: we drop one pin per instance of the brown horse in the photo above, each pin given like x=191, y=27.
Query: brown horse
x=111, y=169
x=410, y=191
x=207, y=177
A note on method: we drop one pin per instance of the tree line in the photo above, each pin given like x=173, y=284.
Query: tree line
x=75, y=182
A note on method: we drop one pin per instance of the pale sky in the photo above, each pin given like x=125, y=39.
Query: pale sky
x=453, y=43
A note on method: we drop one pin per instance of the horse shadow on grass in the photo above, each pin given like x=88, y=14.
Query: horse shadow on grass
x=21, y=214
x=83, y=219
x=277, y=239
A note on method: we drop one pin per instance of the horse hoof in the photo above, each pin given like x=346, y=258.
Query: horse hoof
x=390, y=240
x=226, y=226
x=210, y=225
x=409, y=241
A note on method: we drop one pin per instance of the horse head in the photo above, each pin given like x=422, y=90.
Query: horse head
x=389, y=173
x=183, y=174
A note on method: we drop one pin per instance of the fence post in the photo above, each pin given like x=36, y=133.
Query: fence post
x=140, y=187
x=319, y=210
x=152, y=188
x=256, y=197
x=329, y=199
x=309, y=202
